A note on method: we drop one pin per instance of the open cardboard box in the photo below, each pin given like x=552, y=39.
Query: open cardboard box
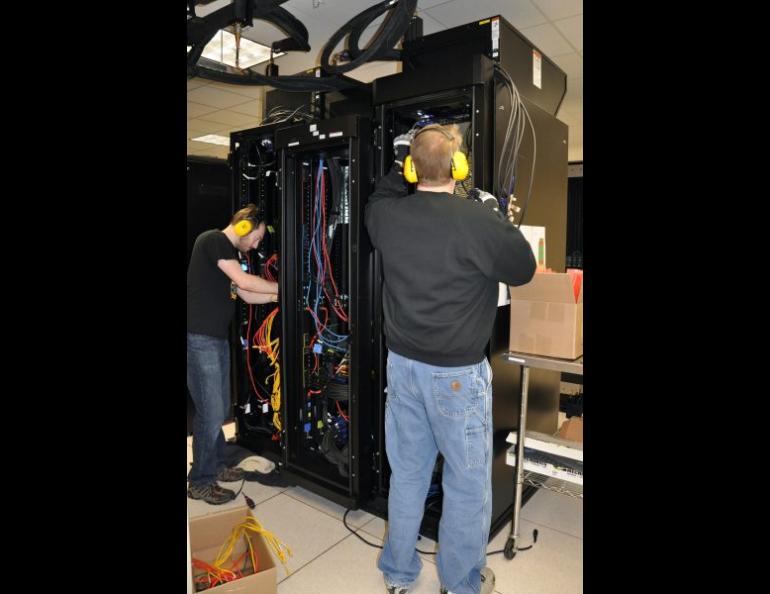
x=208, y=533
x=547, y=317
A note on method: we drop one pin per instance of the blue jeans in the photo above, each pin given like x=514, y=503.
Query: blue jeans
x=428, y=410
x=208, y=379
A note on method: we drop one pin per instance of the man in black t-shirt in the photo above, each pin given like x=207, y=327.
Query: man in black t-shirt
x=214, y=278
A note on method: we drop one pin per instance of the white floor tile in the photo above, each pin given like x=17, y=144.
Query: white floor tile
x=229, y=430
x=377, y=528
x=553, y=566
x=559, y=512
x=307, y=531
x=355, y=519
x=350, y=567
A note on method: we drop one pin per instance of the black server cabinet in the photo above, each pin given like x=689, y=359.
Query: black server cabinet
x=461, y=89
x=326, y=299
x=257, y=331
x=208, y=207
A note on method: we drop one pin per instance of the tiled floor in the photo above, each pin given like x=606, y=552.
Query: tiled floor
x=327, y=558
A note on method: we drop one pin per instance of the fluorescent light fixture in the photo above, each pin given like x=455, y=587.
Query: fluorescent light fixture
x=221, y=48
x=213, y=139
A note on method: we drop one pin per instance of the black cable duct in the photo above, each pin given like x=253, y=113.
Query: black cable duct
x=200, y=30
x=381, y=46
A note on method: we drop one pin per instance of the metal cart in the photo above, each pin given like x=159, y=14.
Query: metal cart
x=534, y=361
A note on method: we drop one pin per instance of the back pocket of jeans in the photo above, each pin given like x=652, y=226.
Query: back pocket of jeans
x=457, y=393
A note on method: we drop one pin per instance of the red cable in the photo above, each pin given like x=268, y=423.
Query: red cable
x=337, y=402
x=248, y=346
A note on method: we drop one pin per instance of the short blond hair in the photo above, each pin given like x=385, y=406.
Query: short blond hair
x=432, y=150
x=249, y=212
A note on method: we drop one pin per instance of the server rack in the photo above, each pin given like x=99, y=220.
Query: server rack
x=256, y=337
x=326, y=298
x=208, y=207
x=461, y=89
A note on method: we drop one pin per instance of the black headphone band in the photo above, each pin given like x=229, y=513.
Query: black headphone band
x=437, y=128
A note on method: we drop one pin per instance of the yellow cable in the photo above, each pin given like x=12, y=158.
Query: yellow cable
x=251, y=524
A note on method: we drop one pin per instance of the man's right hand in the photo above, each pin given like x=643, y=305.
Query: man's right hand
x=401, y=146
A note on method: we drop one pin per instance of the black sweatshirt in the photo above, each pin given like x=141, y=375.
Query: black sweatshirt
x=209, y=305
x=442, y=257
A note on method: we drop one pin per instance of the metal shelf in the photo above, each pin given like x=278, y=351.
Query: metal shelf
x=541, y=481
x=539, y=362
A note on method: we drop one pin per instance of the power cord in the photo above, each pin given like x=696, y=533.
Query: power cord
x=376, y=546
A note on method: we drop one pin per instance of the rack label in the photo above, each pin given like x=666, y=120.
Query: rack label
x=295, y=143
x=537, y=69
x=334, y=134
x=495, y=38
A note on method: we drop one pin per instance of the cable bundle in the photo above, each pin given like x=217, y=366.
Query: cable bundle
x=509, y=155
x=217, y=573
x=264, y=342
x=280, y=114
x=272, y=261
x=215, y=576
x=251, y=524
x=319, y=256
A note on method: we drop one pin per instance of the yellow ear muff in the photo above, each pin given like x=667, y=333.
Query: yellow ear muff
x=459, y=166
x=410, y=173
x=243, y=227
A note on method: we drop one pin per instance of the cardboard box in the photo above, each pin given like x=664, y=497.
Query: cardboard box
x=547, y=318
x=209, y=533
x=571, y=429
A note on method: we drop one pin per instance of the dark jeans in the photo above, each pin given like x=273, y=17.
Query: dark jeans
x=208, y=379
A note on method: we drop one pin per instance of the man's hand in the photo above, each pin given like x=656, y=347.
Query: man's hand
x=401, y=146
x=487, y=200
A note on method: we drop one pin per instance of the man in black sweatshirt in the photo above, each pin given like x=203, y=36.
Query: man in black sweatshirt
x=442, y=258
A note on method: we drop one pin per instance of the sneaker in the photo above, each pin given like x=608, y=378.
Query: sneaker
x=487, y=582
x=213, y=494
x=229, y=475
x=396, y=590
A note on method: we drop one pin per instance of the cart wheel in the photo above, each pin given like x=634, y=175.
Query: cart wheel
x=508, y=551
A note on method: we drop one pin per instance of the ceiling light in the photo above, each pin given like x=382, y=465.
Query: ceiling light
x=221, y=48
x=213, y=139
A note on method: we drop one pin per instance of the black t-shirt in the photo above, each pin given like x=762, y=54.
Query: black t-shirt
x=442, y=259
x=209, y=306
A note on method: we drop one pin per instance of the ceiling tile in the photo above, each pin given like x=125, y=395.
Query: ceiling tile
x=246, y=91
x=572, y=104
x=572, y=29
x=429, y=24
x=425, y=4
x=203, y=127
x=559, y=9
x=548, y=40
x=571, y=64
x=371, y=70
x=194, y=83
x=195, y=110
x=251, y=108
x=230, y=118
x=574, y=87
x=215, y=97
x=520, y=14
